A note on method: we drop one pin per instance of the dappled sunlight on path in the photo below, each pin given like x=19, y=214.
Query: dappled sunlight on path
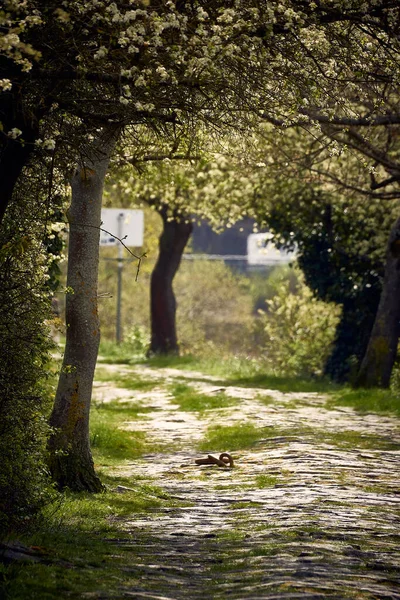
x=311, y=509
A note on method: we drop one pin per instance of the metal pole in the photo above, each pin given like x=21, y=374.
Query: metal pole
x=119, y=283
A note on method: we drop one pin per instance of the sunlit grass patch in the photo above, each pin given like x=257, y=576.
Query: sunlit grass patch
x=265, y=481
x=125, y=353
x=358, y=440
x=189, y=399
x=266, y=400
x=233, y=437
x=120, y=410
x=367, y=400
x=113, y=443
x=109, y=440
x=244, y=372
x=283, y=384
x=130, y=381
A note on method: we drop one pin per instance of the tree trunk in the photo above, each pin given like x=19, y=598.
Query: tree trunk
x=173, y=240
x=70, y=458
x=352, y=336
x=376, y=367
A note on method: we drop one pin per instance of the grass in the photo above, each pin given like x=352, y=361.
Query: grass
x=265, y=481
x=189, y=399
x=112, y=353
x=75, y=542
x=111, y=441
x=242, y=372
x=367, y=400
x=356, y=439
x=81, y=542
x=233, y=437
x=239, y=371
x=129, y=381
x=248, y=372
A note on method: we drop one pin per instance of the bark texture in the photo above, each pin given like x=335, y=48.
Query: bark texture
x=173, y=240
x=377, y=364
x=70, y=458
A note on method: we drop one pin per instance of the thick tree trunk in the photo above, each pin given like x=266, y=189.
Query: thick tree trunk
x=173, y=240
x=376, y=367
x=70, y=458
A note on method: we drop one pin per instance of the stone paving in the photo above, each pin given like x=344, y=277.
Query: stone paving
x=303, y=514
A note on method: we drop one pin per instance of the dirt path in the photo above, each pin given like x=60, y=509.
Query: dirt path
x=302, y=515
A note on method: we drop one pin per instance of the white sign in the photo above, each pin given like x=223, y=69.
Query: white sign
x=261, y=251
x=122, y=222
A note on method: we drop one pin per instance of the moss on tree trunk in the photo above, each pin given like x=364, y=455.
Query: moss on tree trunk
x=70, y=459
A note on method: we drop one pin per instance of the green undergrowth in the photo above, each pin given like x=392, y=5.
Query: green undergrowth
x=250, y=372
x=124, y=354
x=265, y=481
x=75, y=546
x=189, y=399
x=246, y=372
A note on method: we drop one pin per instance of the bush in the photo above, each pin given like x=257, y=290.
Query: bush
x=24, y=357
x=214, y=308
x=296, y=332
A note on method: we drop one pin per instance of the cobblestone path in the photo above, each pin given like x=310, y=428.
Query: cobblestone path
x=303, y=514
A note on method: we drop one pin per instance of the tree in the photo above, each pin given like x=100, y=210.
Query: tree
x=105, y=62
x=176, y=232
x=377, y=364
x=70, y=458
x=182, y=184
x=339, y=243
x=345, y=92
x=353, y=232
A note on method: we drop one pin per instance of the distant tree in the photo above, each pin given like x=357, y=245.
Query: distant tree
x=339, y=244
x=182, y=185
x=174, y=237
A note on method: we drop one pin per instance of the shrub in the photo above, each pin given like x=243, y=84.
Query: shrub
x=214, y=307
x=297, y=330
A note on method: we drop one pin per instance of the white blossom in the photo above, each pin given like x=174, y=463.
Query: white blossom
x=101, y=53
x=5, y=85
x=14, y=133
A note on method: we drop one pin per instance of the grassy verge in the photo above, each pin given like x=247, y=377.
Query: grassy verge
x=368, y=400
x=247, y=372
x=130, y=381
x=75, y=545
x=231, y=370
x=76, y=542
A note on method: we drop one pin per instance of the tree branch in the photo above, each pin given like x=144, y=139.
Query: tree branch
x=378, y=121
x=139, y=258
